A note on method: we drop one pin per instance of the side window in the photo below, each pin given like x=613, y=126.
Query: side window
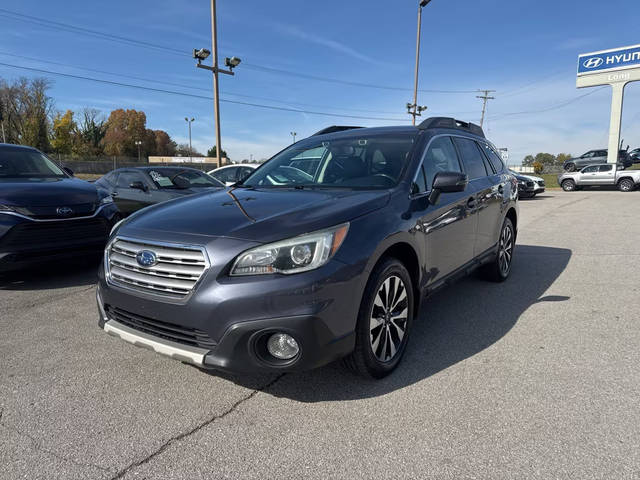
x=601, y=153
x=226, y=175
x=471, y=157
x=440, y=157
x=590, y=169
x=493, y=157
x=110, y=178
x=588, y=155
x=127, y=178
x=606, y=168
x=420, y=185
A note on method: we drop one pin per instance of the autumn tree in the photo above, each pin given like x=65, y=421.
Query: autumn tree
x=27, y=110
x=92, y=128
x=164, y=145
x=64, y=133
x=124, y=128
x=182, y=150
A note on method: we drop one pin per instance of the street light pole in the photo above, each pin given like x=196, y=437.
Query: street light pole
x=417, y=109
x=293, y=134
x=216, y=100
x=138, y=143
x=190, y=148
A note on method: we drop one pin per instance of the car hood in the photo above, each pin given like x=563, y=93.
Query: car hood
x=532, y=177
x=47, y=192
x=261, y=215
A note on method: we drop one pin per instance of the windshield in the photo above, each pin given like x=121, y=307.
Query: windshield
x=182, y=178
x=17, y=163
x=366, y=162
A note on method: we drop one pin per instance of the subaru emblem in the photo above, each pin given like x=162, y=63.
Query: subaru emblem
x=146, y=258
x=64, y=211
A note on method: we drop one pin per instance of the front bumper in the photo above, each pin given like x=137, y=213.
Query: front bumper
x=26, y=242
x=318, y=308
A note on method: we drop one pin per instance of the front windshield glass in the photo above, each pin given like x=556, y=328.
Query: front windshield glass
x=365, y=162
x=182, y=178
x=27, y=164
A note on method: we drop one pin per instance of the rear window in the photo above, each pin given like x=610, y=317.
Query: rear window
x=471, y=157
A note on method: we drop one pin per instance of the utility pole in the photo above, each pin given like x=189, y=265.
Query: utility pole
x=414, y=109
x=4, y=139
x=190, y=148
x=232, y=62
x=293, y=134
x=138, y=143
x=485, y=98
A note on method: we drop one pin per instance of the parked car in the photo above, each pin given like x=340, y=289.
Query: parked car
x=599, y=175
x=139, y=187
x=231, y=174
x=528, y=185
x=595, y=157
x=47, y=214
x=291, y=271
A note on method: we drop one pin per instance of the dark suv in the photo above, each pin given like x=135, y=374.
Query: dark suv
x=290, y=270
x=47, y=214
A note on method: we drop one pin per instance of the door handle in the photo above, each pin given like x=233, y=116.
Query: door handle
x=471, y=203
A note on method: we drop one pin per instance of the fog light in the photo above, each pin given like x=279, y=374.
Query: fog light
x=282, y=346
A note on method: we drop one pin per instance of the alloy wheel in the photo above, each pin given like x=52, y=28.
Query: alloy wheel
x=505, y=250
x=388, y=322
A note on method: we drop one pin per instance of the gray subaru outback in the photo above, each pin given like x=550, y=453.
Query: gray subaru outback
x=292, y=269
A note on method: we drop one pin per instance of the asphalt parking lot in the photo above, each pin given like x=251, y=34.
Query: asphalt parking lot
x=535, y=378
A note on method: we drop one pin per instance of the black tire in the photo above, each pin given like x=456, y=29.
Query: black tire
x=568, y=185
x=570, y=167
x=499, y=268
x=626, y=185
x=365, y=359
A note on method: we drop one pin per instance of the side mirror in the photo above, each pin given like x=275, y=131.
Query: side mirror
x=138, y=186
x=447, y=182
x=68, y=171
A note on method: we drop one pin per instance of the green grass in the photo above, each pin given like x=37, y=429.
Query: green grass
x=87, y=176
x=550, y=180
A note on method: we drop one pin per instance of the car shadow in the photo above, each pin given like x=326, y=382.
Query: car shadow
x=52, y=275
x=454, y=324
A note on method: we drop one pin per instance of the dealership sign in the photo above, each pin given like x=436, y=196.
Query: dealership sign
x=615, y=67
x=607, y=60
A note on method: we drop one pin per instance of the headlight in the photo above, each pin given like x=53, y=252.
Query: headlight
x=298, y=254
x=116, y=226
x=106, y=200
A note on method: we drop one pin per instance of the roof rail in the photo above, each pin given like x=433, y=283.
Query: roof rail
x=333, y=128
x=448, y=122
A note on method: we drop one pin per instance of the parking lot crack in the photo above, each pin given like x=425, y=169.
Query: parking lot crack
x=197, y=428
x=40, y=448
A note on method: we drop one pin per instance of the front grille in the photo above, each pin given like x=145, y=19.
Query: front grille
x=51, y=212
x=69, y=234
x=529, y=184
x=176, y=272
x=168, y=331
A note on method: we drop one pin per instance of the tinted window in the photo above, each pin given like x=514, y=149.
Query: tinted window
x=27, y=164
x=353, y=162
x=590, y=169
x=493, y=157
x=127, y=178
x=182, y=178
x=601, y=153
x=110, y=178
x=226, y=174
x=606, y=168
x=471, y=158
x=440, y=157
x=420, y=184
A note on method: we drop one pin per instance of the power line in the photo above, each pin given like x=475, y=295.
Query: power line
x=550, y=108
x=182, y=85
x=192, y=95
x=131, y=41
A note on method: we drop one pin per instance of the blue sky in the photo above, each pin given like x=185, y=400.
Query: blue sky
x=526, y=51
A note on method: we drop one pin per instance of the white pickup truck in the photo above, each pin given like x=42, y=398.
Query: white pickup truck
x=600, y=174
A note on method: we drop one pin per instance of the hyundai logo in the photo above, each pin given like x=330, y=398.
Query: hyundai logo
x=64, y=211
x=146, y=258
x=593, y=62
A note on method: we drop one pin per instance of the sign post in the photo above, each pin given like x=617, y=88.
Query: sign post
x=615, y=67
